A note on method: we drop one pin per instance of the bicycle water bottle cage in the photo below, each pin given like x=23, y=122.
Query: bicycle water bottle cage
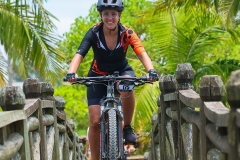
x=126, y=85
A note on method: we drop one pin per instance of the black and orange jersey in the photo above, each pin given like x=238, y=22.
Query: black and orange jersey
x=105, y=60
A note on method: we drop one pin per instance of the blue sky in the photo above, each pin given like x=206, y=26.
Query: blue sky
x=67, y=11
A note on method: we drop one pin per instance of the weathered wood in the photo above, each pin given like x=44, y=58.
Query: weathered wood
x=48, y=120
x=70, y=124
x=184, y=76
x=61, y=115
x=170, y=97
x=9, y=117
x=233, y=89
x=36, y=146
x=26, y=151
x=190, y=98
x=47, y=91
x=233, y=98
x=61, y=128
x=3, y=135
x=167, y=84
x=31, y=106
x=60, y=103
x=191, y=116
x=217, y=113
x=70, y=142
x=50, y=142
x=47, y=104
x=238, y=118
x=66, y=148
x=220, y=141
x=163, y=130
x=61, y=144
x=215, y=127
x=43, y=126
x=31, y=88
x=12, y=98
x=11, y=146
x=211, y=88
x=155, y=123
x=172, y=114
x=32, y=123
x=56, y=136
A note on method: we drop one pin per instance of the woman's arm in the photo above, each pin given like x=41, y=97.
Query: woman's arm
x=146, y=61
x=76, y=61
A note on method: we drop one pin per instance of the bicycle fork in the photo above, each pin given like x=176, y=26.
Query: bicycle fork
x=121, y=154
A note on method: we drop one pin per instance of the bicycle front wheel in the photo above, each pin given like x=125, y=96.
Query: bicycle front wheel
x=112, y=135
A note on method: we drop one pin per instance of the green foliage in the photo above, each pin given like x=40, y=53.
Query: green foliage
x=27, y=35
x=196, y=35
x=146, y=105
x=75, y=104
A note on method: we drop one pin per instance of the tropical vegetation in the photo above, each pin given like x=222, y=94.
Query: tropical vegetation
x=28, y=37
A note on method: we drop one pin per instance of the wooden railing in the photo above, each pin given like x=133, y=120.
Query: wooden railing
x=33, y=125
x=192, y=126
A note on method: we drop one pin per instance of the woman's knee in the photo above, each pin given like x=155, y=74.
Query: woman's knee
x=127, y=94
x=94, y=113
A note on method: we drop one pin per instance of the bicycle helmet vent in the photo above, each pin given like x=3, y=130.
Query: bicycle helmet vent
x=110, y=4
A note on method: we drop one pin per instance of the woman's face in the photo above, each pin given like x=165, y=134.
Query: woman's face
x=110, y=18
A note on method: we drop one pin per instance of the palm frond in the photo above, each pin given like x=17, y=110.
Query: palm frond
x=28, y=36
x=3, y=70
x=146, y=105
x=228, y=10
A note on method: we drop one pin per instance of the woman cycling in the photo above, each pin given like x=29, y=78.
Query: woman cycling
x=109, y=40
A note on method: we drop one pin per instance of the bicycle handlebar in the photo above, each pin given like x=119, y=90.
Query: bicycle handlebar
x=91, y=80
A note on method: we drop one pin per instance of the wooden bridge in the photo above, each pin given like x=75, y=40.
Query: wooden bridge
x=196, y=126
x=188, y=125
x=33, y=125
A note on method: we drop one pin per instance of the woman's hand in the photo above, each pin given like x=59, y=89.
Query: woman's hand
x=153, y=75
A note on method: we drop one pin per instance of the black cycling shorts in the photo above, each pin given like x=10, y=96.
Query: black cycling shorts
x=96, y=92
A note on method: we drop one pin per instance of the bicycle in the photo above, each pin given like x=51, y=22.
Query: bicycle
x=111, y=132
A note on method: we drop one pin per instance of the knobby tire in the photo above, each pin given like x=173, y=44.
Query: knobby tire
x=112, y=145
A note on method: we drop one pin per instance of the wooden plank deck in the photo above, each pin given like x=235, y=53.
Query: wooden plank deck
x=136, y=157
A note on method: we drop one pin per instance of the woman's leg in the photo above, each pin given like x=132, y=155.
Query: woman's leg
x=128, y=104
x=94, y=131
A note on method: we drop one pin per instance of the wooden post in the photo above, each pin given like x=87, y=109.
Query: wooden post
x=184, y=76
x=233, y=98
x=13, y=98
x=167, y=85
x=211, y=89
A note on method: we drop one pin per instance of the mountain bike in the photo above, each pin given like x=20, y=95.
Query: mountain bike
x=111, y=115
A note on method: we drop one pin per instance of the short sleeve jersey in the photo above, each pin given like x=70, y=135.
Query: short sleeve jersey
x=106, y=61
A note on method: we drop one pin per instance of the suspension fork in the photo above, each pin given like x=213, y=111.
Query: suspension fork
x=102, y=133
x=120, y=134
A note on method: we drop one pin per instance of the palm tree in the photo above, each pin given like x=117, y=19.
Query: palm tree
x=194, y=32
x=27, y=35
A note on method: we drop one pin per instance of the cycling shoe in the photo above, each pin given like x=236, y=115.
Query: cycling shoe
x=128, y=135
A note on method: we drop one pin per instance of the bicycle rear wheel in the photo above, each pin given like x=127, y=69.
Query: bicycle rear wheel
x=112, y=135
